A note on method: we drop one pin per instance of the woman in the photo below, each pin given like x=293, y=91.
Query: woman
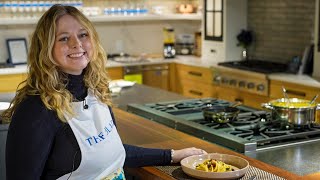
x=62, y=125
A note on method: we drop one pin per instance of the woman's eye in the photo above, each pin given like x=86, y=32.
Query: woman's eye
x=84, y=35
x=63, y=39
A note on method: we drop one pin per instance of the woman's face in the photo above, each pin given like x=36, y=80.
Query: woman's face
x=72, y=47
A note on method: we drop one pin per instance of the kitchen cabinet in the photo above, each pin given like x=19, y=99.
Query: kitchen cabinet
x=156, y=75
x=115, y=72
x=246, y=98
x=194, y=81
x=224, y=19
x=10, y=82
x=293, y=90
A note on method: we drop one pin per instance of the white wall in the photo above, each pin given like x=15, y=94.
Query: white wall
x=134, y=37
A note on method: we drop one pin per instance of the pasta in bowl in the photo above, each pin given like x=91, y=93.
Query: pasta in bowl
x=215, y=166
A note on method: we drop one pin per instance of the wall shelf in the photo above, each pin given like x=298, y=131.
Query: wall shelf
x=110, y=18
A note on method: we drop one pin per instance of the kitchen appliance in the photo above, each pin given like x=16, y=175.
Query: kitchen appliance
x=252, y=130
x=249, y=76
x=169, y=50
x=185, y=44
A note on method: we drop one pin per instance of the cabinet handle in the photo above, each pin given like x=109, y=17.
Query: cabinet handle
x=297, y=93
x=238, y=100
x=194, y=73
x=195, y=92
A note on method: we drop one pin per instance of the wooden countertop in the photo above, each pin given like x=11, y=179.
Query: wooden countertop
x=138, y=131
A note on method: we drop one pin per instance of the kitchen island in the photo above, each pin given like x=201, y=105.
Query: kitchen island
x=294, y=162
x=289, y=162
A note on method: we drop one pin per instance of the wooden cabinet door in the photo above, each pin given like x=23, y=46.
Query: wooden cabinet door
x=293, y=90
x=10, y=82
x=199, y=74
x=115, y=73
x=194, y=81
x=156, y=76
x=197, y=89
x=248, y=99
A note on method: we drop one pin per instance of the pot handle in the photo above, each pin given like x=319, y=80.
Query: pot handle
x=267, y=105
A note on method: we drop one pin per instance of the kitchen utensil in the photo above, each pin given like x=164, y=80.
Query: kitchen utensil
x=313, y=99
x=189, y=164
x=221, y=114
x=295, y=111
x=285, y=93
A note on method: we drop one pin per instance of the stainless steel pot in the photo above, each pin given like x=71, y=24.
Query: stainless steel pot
x=295, y=111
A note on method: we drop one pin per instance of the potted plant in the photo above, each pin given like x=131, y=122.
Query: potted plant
x=244, y=40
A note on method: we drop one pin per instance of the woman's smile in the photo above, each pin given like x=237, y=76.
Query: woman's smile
x=76, y=55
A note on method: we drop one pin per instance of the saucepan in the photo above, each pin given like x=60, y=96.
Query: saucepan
x=293, y=110
x=221, y=114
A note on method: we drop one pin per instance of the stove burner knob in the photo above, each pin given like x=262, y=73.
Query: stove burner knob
x=242, y=84
x=217, y=79
x=260, y=87
x=233, y=82
x=250, y=85
x=224, y=81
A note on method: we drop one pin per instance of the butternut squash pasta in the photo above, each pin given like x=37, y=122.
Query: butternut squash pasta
x=211, y=165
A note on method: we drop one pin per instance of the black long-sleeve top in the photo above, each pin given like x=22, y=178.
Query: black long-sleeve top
x=40, y=146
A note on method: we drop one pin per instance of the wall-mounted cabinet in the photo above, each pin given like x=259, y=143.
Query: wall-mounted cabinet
x=224, y=20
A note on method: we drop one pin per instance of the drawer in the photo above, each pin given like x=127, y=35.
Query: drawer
x=199, y=74
x=293, y=90
x=248, y=99
x=115, y=73
x=197, y=90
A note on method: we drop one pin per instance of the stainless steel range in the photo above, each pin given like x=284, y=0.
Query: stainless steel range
x=253, y=130
x=249, y=76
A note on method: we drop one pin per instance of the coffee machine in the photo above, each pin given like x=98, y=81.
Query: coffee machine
x=168, y=43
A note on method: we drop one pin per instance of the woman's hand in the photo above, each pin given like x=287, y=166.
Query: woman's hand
x=178, y=155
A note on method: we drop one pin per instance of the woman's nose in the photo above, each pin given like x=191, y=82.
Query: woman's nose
x=76, y=43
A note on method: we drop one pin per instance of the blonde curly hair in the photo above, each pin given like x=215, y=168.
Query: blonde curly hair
x=47, y=80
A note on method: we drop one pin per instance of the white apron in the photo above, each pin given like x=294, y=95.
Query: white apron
x=102, y=151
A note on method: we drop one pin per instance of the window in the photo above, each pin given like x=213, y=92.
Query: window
x=213, y=17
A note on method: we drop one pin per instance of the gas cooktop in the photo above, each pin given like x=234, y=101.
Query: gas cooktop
x=260, y=66
x=252, y=130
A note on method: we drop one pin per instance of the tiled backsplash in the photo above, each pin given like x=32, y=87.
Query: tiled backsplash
x=282, y=28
